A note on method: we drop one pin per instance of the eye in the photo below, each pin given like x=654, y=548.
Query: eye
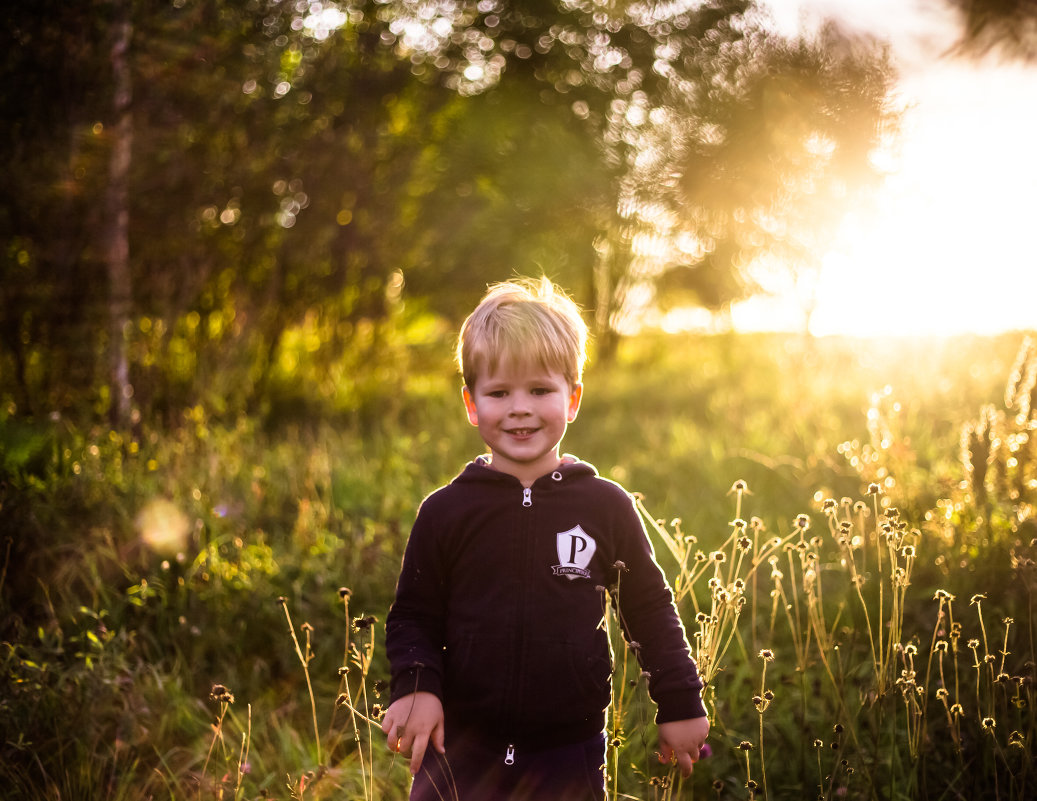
x=496, y=393
x=542, y=390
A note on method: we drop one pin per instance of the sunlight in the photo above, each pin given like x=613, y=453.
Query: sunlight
x=947, y=246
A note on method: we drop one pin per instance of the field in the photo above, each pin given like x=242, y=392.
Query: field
x=195, y=610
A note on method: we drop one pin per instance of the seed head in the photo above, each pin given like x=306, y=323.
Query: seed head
x=819, y=744
x=221, y=694
x=977, y=598
x=838, y=728
x=745, y=745
x=988, y=724
x=874, y=489
x=740, y=486
x=620, y=565
x=941, y=646
x=767, y=655
x=344, y=592
x=942, y=694
x=908, y=551
x=718, y=557
x=802, y=522
x=1016, y=738
x=829, y=505
x=738, y=524
x=943, y=595
x=342, y=699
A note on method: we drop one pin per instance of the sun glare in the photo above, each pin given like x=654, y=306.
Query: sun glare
x=947, y=245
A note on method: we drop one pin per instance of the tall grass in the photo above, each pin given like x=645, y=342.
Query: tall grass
x=848, y=530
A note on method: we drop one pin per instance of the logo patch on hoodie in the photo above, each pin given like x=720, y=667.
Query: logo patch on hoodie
x=575, y=548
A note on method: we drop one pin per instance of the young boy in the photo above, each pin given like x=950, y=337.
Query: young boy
x=499, y=656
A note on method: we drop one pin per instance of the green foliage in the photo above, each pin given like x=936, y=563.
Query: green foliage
x=142, y=568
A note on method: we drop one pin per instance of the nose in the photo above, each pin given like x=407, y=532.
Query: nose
x=519, y=404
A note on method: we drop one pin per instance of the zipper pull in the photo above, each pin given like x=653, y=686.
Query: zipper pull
x=527, y=496
x=509, y=755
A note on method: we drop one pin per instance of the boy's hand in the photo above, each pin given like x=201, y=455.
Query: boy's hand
x=681, y=740
x=411, y=723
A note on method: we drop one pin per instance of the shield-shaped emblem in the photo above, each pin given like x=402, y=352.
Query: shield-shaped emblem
x=575, y=548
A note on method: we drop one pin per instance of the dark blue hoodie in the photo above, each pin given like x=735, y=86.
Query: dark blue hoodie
x=500, y=604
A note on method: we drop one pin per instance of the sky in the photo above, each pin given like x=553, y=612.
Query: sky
x=950, y=248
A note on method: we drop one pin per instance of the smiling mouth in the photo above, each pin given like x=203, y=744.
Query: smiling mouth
x=522, y=432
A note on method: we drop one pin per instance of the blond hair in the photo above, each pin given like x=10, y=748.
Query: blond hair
x=524, y=321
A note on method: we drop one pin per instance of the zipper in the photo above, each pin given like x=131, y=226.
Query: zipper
x=527, y=496
x=509, y=755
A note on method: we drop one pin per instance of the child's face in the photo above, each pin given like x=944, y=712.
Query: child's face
x=522, y=412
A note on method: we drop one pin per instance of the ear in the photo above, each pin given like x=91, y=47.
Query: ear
x=575, y=396
x=469, y=405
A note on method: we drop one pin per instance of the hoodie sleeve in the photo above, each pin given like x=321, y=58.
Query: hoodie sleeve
x=650, y=619
x=415, y=625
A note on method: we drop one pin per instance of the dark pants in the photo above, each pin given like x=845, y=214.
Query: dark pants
x=475, y=771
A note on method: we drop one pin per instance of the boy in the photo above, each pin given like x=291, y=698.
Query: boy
x=499, y=658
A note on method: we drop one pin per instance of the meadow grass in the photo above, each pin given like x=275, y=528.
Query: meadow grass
x=848, y=528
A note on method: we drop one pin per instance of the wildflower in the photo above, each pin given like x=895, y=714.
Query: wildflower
x=620, y=565
x=718, y=557
x=376, y=711
x=860, y=508
x=874, y=489
x=752, y=785
x=958, y=710
x=943, y=595
x=739, y=486
x=1002, y=677
x=910, y=649
x=634, y=646
x=282, y=600
x=802, y=522
x=829, y=505
x=893, y=513
x=362, y=623
x=988, y=724
x=819, y=744
x=306, y=627
x=973, y=643
x=745, y=745
x=700, y=557
x=701, y=618
x=977, y=598
x=1016, y=738
x=342, y=671
x=838, y=728
x=738, y=586
x=942, y=694
x=380, y=686
x=758, y=702
x=342, y=699
x=738, y=524
x=756, y=524
x=767, y=655
x=941, y=646
x=344, y=592
x=718, y=784
x=908, y=551
x=768, y=696
x=846, y=527
x=1008, y=621
x=744, y=543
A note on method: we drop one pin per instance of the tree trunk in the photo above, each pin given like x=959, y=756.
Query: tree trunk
x=117, y=221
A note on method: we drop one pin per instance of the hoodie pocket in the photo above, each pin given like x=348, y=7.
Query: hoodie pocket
x=565, y=681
